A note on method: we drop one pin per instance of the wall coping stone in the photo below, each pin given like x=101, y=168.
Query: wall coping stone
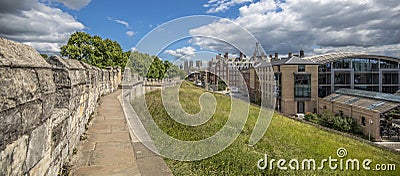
x=70, y=64
x=13, y=54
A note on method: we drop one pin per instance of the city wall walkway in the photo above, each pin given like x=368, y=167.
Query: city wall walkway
x=109, y=149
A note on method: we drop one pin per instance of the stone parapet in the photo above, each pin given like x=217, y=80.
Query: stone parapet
x=45, y=106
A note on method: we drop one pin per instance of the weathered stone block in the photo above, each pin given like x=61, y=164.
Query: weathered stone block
x=61, y=78
x=10, y=127
x=39, y=144
x=55, y=167
x=42, y=166
x=46, y=80
x=14, y=54
x=13, y=157
x=32, y=116
x=18, y=86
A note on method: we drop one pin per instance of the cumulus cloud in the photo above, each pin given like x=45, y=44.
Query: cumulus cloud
x=215, y=6
x=182, y=53
x=43, y=27
x=313, y=25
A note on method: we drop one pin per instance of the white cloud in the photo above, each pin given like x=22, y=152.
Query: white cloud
x=182, y=53
x=43, y=27
x=126, y=24
x=130, y=33
x=133, y=49
x=72, y=4
x=328, y=25
x=222, y=5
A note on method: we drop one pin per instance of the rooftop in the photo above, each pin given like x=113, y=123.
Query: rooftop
x=370, y=94
x=324, y=58
x=376, y=101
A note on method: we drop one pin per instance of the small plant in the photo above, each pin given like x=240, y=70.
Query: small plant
x=65, y=169
x=83, y=137
x=74, y=151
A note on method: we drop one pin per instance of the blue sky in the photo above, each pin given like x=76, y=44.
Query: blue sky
x=317, y=26
x=100, y=17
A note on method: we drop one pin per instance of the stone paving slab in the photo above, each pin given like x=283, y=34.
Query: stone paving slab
x=149, y=162
x=108, y=149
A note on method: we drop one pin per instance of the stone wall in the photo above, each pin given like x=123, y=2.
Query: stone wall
x=45, y=106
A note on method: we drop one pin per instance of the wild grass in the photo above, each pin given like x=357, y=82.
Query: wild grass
x=285, y=139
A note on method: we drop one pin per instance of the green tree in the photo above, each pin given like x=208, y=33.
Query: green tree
x=153, y=67
x=156, y=70
x=139, y=63
x=221, y=85
x=94, y=50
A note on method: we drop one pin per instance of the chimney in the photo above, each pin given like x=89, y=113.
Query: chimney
x=301, y=53
x=241, y=56
x=289, y=55
x=276, y=56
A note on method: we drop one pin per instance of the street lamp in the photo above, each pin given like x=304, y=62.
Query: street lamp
x=369, y=129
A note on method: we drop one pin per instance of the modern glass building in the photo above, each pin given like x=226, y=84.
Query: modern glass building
x=300, y=81
x=356, y=71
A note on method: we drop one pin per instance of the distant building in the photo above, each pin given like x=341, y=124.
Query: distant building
x=199, y=64
x=191, y=66
x=230, y=69
x=186, y=66
x=301, y=80
x=294, y=88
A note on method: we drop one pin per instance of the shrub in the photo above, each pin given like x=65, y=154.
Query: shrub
x=339, y=122
x=314, y=118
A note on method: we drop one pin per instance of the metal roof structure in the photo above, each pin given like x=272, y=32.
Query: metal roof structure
x=380, y=102
x=324, y=58
x=370, y=94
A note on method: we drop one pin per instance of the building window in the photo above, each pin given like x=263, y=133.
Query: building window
x=342, y=64
x=325, y=67
x=302, y=86
x=342, y=77
x=388, y=64
x=301, y=68
x=363, y=121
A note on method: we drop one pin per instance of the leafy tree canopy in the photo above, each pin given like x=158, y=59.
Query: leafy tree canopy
x=94, y=50
x=153, y=67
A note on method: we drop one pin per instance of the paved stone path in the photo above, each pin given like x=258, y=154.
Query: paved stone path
x=109, y=149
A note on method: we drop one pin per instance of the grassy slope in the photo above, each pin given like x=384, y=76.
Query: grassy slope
x=285, y=139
